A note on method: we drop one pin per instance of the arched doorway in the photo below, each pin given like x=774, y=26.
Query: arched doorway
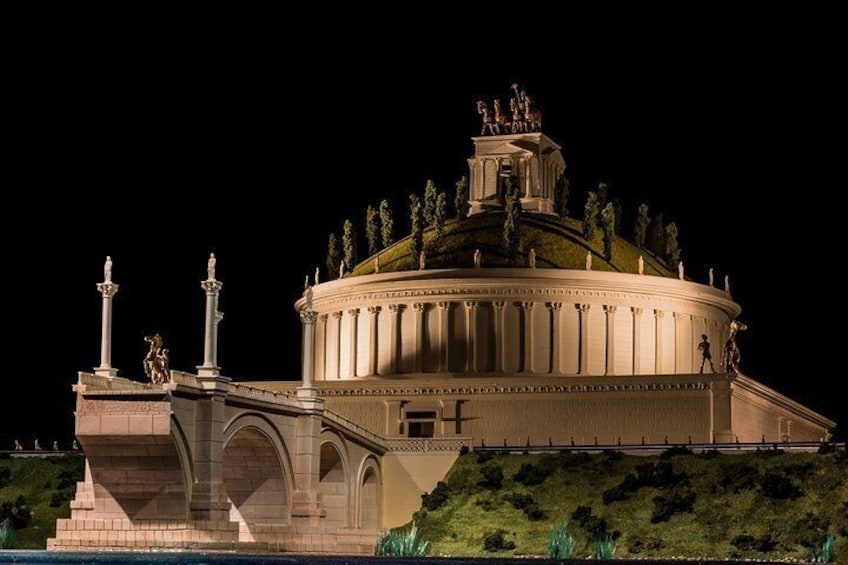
x=253, y=478
x=333, y=486
x=370, y=498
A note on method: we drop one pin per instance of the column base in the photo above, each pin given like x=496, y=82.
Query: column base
x=207, y=371
x=110, y=372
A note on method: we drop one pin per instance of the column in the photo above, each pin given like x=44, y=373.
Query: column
x=337, y=362
x=658, y=349
x=373, y=312
x=637, y=340
x=471, y=336
x=527, y=358
x=321, y=355
x=444, y=312
x=679, y=356
x=107, y=290
x=307, y=319
x=556, y=308
x=354, y=318
x=419, y=308
x=212, y=287
x=583, y=310
x=610, y=364
x=394, y=362
x=499, y=335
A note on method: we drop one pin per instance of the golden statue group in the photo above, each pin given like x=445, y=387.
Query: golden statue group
x=524, y=116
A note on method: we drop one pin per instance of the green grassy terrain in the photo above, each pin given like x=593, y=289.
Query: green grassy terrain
x=46, y=485
x=727, y=506
x=558, y=245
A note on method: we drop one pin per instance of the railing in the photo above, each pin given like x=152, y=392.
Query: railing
x=253, y=393
x=354, y=427
x=428, y=445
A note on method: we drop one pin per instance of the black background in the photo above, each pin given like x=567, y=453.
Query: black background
x=159, y=147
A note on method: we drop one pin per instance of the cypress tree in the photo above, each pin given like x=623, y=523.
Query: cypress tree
x=349, y=244
x=512, y=217
x=334, y=257
x=561, y=196
x=371, y=232
x=608, y=216
x=656, y=236
x=440, y=214
x=387, y=224
x=672, y=251
x=590, y=216
x=619, y=209
x=642, y=221
x=430, y=193
x=416, y=220
x=603, y=195
x=461, y=198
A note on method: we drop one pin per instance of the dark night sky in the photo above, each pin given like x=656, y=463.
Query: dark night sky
x=158, y=156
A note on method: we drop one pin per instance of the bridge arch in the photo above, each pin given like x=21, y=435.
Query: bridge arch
x=334, y=479
x=257, y=475
x=369, y=495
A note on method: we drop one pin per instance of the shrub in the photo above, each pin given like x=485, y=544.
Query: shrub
x=745, y=542
x=824, y=553
x=613, y=455
x=484, y=457
x=561, y=543
x=526, y=504
x=7, y=534
x=592, y=524
x=738, y=476
x=779, y=487
x=487, y=503
x=17, y=512
x=604, y=547
x=825, y=448
x=492, y=476
x=650, y=544
x=530, y=475
x=464, y=450
x=59, y=498
x=5, y=476
x=496, y=542
x=675, y=451
x=647, y=475
x=666, y=507
x=436, y=499
x=401, y=543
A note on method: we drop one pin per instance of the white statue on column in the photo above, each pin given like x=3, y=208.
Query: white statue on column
x=107, y=269
x=305, y=282
x=377, y=264
x=589, y=261
x=210, y=267
x=422, y=261
x=308, y=298
x=712, y=277
x=341, y=270
x=478, y=258
x=680, y=270
x=727, y=284
x=641, y=265
x=532, y=257
x=317, y=275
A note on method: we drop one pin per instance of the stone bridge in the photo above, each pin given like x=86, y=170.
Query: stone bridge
x=202, y=462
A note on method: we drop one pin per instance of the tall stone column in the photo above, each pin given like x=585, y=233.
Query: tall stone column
x=471, y=336
x=419, y=336
x=556, y=309
x=444, y=337
x=337, y=362
x=678, y=355
x=610, y=364
x=212, y=287
x=499, y=335
x=527, y=358
x=107, y=290
x=658, y=349
x=394, y=361
x=637, y=340
x=354, y=327
x=583, y=310
x=373, y=312
x=307, y=319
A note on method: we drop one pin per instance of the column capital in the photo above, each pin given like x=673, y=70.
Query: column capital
x=107, y=289
x=395, y=308
x=443, y=305
x=636, y=311
x=353, y=312
x=419, y=307
x=211, y=286
x=308, y=316
x=323, y=317
x=555, y=306
x=610, y=309
x=373, y=310
x=499, y=304
x=659, y=314
x=526, y=305
x=680, y=316
x=471, y=304
x=337, y=315
x=584, y=308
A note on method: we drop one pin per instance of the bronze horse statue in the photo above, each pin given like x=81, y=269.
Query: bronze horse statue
x=156, y=361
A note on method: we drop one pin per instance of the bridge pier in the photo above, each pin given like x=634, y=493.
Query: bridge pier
x=208, y=495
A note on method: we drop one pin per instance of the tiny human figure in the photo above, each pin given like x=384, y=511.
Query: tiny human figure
x=55, y=445
x=532, y=257
x=75, y=445
x=478, y=258
x=18, y=446
x=317, y=275
x=704, y=348
x=37, y=445
x=712, y=277
x=422, y=261
x=727, y=284
x=641, y=265
x=306, y=282
x=680, y=274
x=341, y=270
x=588, y=260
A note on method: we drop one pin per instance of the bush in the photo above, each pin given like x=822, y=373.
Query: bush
x=401, y=543
x=436, y=499
x=650, y=544
x=823, y=553
x=526, y=504
x=750, y=543
x=647, y=475
x=592, y=524
x=5, y=476
x=561, y=543
x=59, y=498
x=825, y=448
x=530, y=475
x=496, y=542
x=738, y=476
x=484, y=457
x=779, y=487
x=7, y=534
x=17, y=512
x=487, y=503
x=710, y=454
x=604, y=547
x=492, y=476
x=464, y=450
x=666, y=507
x=675, y=451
